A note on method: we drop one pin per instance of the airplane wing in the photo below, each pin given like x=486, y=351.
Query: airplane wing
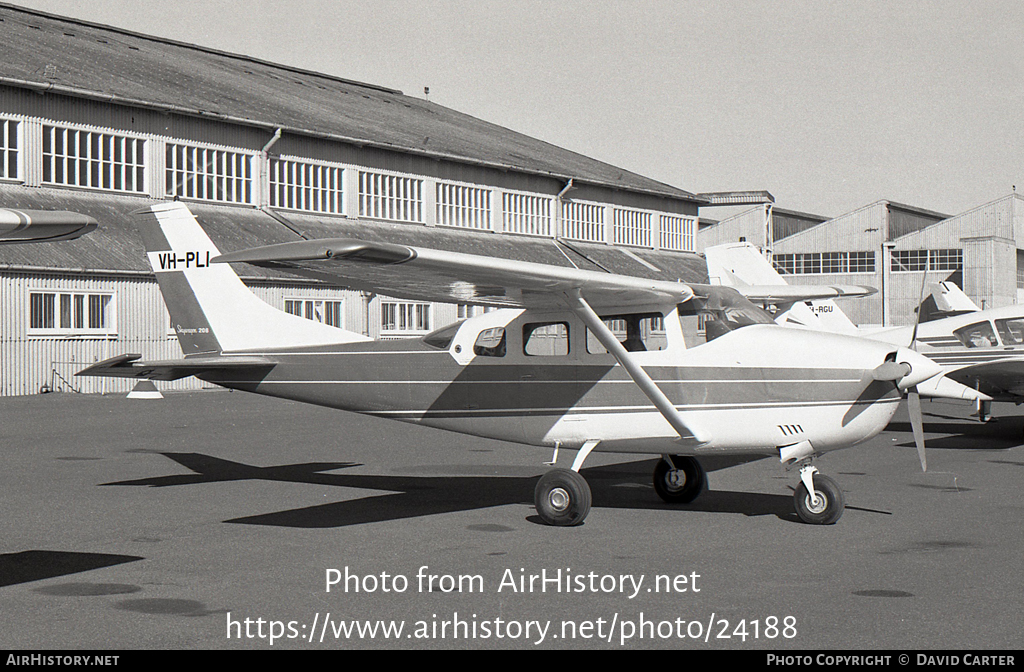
x=1002, y=376
x=42, y=226
x=423, y=274
x=130, y=366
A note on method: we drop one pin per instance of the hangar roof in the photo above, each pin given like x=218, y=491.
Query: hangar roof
x=52, y=53
x=116, y=247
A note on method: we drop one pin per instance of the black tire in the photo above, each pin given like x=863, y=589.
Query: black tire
x=562, y=497
x=828, y=510
x=681, y=485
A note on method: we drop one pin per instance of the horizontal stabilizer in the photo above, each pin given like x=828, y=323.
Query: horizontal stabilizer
x=129, y=366
x=42, y=226
x=790, y=293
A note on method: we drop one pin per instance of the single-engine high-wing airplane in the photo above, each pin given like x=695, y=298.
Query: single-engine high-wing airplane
x=981, y=351
x=573, y=359
x=42, y=226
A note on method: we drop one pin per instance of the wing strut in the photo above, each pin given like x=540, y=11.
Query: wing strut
x=580, y=306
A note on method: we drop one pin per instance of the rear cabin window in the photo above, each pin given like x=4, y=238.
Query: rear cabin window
x=442, y=338
x=637, y=332
x=546, y=339
x=1011, y=332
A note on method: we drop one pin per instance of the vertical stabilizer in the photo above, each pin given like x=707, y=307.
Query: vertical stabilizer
x=211, y=308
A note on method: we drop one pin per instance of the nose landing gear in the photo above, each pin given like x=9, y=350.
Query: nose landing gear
x=818, y=499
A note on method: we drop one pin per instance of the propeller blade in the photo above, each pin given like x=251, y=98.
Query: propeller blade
x=917, y=424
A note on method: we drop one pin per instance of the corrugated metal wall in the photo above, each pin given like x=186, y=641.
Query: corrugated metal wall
x=29, y=363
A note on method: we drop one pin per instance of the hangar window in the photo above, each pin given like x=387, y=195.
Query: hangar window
x=813, y=263
x=209, y=174
x=582, y=221
x=463, y=206
x=306, y=186
x=71, y=313
x=526, y=214
x=933, y=260
x=404, y=319
x=676, y=233
x=9, y=149
x=318, y=310
x=79, y=158
x=390, y=197
x=631, y=227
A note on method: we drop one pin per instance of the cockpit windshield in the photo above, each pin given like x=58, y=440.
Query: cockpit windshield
x=442, y=338
x=723, y=309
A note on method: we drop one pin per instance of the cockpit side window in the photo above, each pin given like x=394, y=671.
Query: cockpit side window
x=490, y=343
x=978, y=335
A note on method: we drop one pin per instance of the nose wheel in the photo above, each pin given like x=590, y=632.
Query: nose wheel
x=679, y=479
x=822, y=504
x=562, y=497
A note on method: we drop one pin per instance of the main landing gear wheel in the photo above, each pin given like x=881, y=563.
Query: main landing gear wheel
x=562, y=497
x=682, y=483
x=825, y=507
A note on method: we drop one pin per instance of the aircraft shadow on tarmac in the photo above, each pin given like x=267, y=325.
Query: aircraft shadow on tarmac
x=960, y=434
x=35, y=565
x=625, y=485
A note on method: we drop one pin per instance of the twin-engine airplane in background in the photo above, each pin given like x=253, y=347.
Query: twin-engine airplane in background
x=981, y=351
x=571, y=359
x=42, y=226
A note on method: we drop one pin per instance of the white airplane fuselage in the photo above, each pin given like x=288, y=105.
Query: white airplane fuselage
x=752, y=390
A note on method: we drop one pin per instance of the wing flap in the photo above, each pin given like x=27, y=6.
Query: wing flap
x=129, y=366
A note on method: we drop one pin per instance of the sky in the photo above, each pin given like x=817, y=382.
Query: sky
x=830, y=106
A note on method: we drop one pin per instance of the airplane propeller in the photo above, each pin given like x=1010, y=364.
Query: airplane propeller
x=902, y=374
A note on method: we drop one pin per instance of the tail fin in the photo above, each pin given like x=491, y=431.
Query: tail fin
x=211, y=310
x=739, y=264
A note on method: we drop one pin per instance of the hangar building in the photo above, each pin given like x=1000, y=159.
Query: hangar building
x=894, y=248
x=105, y=121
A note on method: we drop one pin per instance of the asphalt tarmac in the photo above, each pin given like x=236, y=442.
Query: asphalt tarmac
x=216, y=520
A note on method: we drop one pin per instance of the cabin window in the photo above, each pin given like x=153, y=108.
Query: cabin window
x=1011, y=332
x=490, y=343
x=979, y=335
x=546, y=339
x=638, y=332
x=71, y=313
